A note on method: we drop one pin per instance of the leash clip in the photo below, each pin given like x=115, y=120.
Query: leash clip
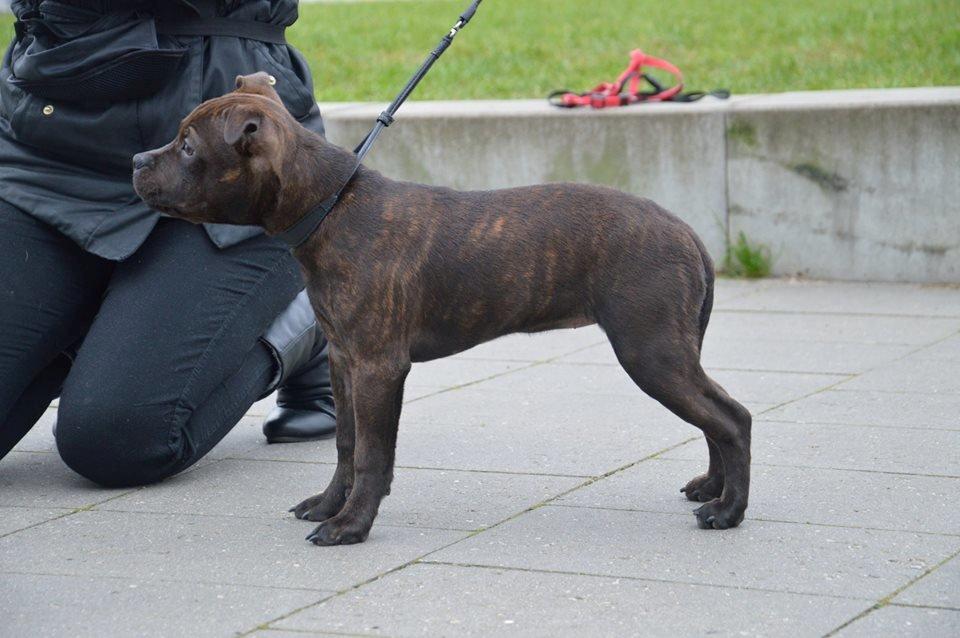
x=456, y=29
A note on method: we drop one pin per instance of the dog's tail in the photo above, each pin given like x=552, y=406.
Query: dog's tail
x=709, y=278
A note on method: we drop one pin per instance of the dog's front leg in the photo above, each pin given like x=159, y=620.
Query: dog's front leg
x=377, y=398
x=329, y=502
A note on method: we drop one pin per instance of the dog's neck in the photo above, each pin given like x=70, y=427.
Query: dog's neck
x=313, y=172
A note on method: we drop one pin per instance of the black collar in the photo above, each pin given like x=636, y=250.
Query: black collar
x=296, y=235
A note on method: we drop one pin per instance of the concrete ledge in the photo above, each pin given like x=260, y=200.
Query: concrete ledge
x=860, y=185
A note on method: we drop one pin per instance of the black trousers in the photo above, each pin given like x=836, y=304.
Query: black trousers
x=170, y=357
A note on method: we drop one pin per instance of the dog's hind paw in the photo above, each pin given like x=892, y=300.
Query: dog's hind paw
x=343, y=532
x=316, y=508
x=703, y=488
x=716, y=515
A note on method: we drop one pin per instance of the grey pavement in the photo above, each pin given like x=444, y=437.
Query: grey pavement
x=537, y=494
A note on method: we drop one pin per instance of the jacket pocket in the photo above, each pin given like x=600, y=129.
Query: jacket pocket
x=102, y=138
x=113, y=57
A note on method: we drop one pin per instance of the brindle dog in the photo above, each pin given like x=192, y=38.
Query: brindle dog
x=402, y=272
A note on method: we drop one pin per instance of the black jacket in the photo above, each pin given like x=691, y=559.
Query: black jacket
x=86, y=84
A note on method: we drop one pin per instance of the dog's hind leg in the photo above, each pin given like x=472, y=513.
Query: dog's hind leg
x=668, y=369
x=707, y=487
x=377, y=399
x=329, y=502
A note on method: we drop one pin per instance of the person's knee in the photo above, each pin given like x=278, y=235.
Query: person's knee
x=115, y=444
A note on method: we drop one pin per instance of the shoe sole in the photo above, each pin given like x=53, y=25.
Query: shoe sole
x=292, y=439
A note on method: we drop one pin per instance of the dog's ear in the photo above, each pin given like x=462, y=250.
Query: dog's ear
x=241, y=129
x=258, y=83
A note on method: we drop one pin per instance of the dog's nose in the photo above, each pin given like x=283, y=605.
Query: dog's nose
x=142, y=160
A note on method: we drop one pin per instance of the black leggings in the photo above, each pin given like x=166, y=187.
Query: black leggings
x=170, y=357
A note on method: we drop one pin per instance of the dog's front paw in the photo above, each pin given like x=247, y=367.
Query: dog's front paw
x=318, y=508
x=339, y=530
x=704, y=488
x=718, y=515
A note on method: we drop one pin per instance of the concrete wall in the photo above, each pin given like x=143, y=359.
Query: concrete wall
x=843, y=185
x=863, y=185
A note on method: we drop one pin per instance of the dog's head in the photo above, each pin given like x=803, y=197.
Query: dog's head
x=226, y=163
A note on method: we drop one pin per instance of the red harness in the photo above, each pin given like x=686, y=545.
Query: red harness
x=626, y=90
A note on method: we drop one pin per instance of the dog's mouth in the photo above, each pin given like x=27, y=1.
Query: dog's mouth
x=147, y=191
x=160, y=207
x=166, y=210
x=180, y=213
x=152, y=197
x=170, y=210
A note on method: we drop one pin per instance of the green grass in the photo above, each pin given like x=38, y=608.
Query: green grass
x=526, y=48
x=746, y=259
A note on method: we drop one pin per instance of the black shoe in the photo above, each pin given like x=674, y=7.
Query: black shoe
x=305, y=410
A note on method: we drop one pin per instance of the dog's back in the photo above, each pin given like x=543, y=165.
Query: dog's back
x=542, y=257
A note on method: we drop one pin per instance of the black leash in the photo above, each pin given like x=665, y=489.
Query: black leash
x=301, y=231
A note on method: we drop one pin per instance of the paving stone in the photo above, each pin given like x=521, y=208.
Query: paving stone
x=853, y=492
x=452, y=372
x=865, y=407
x=246, y=435
x=904, y=622
x=726, y=288
x=911, y=375
x=412, y=391
x=772, y=326
x=855, y=563
x=536, y=347
x=749, y=386
x=520, y=433
x=324, y=451
x=853, y=298
x=799, y=495
x=38, y=479
x=798, y=356
x=280, y=633
x=785, y=356
x=263, y=406
x=419, y=498
x=225, y=550
x=482, y=407
x=946, y=349
x=47, y=605
x=32, y=479
x=758, y=387
x=439, y=600
x=522, y=405
x=552, y=433
x=850, y=447
x=13, y=519
x=938, y=589
x=40, y=436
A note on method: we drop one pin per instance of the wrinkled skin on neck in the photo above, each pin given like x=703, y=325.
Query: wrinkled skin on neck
x=241, y=159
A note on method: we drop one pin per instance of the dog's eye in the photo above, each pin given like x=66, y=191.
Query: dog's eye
x=186, y=149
